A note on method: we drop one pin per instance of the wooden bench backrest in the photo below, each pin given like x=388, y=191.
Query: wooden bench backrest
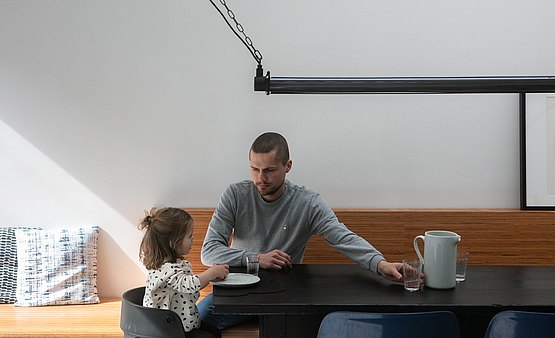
x=492, y=236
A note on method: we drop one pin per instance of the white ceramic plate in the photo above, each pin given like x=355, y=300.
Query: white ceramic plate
x=238, y=280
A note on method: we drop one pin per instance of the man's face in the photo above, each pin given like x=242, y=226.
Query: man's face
x=268, y=174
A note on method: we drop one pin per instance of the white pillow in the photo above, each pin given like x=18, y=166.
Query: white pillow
x=57, y=266
x=8, y=264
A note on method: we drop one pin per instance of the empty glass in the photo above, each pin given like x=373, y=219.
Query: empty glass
x=462, y=260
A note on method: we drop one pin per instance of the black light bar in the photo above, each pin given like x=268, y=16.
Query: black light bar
x=405, y=85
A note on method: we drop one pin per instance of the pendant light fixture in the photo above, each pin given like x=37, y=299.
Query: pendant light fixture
x=379, y=85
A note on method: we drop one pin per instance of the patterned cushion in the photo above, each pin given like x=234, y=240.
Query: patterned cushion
x=56, y=266
x=8, y=264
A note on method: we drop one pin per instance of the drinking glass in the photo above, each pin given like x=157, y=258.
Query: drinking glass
x=462, y=260
x=412, y=270
x=253, y=264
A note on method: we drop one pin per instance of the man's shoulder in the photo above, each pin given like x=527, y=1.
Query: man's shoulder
x=301, y=190
x=240, y=189
x=241, y=185
x=303, y=197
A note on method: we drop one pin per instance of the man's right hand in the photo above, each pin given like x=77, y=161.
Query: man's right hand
x=275, y=259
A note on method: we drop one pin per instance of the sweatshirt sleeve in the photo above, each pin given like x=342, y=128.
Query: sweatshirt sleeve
x=180, y=280
x=215, y=248
x=336, y=234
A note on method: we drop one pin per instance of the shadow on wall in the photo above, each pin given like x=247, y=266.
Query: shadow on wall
x=116, y=272
x=36, y=191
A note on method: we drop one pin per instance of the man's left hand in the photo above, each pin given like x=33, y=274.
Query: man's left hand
x=391, y=271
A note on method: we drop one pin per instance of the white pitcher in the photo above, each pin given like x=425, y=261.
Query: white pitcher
x=440, y=258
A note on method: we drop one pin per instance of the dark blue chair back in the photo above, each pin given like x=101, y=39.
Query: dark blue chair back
x=521, y=324
x=138, y=321
x=345, y=324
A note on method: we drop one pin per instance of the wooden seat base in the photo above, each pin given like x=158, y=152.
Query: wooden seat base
x=91, y=320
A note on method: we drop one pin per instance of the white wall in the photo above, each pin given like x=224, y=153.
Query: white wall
x=110, y=107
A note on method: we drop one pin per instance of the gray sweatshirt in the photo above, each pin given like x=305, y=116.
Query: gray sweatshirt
x=257, y=226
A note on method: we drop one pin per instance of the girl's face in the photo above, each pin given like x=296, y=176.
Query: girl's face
x=186, y=244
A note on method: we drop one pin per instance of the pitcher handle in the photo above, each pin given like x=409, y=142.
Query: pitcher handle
x=416, y=248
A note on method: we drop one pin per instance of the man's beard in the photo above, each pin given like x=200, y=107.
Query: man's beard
x=273, y=191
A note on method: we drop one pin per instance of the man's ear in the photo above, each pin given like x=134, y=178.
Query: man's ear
x=288, y=166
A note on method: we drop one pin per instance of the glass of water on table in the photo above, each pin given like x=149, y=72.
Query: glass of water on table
x=412, y=269
x=253, y=264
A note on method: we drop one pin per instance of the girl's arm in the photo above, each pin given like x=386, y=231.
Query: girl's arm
x=214, y=273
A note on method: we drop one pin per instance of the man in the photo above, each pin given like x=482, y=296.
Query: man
x=275, y=218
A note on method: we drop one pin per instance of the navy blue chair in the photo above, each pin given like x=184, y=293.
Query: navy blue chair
x=138, y=321
x=345, y=324
x=521, y=324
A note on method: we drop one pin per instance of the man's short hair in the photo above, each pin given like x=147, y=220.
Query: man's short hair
x=269, y=141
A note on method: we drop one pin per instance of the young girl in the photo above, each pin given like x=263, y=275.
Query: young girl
x=171, y=283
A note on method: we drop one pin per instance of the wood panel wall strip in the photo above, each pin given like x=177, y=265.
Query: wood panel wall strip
x=492, y=236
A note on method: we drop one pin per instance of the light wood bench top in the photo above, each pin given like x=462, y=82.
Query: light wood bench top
x=75, y=321
x=91, y=320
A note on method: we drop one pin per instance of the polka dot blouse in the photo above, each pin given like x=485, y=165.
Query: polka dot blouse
x=175, y=287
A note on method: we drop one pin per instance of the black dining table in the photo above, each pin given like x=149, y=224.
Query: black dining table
x=293, y=303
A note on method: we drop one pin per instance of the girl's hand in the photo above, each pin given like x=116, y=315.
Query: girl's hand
x=213, y=273
x=219, y=271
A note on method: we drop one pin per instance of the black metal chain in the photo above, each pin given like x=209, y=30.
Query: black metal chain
x=239, y=28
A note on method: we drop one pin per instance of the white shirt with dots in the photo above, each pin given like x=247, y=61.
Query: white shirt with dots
x=174, y=287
